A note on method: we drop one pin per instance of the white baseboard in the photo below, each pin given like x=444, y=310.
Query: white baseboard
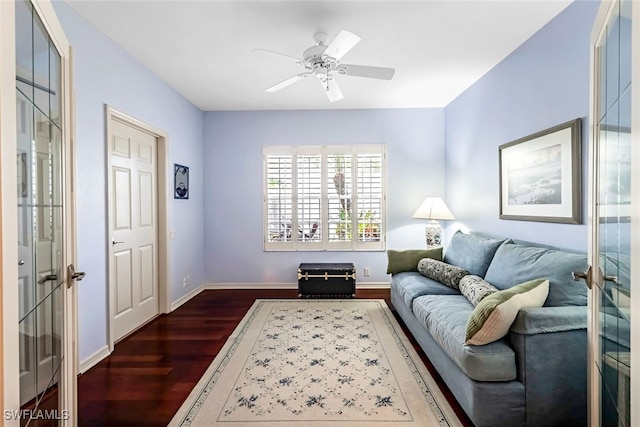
x=94, y=359
x=373, y=285
x=177, y=303
x=251, y=286
x=359, y=285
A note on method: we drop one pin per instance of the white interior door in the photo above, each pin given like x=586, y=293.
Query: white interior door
x=133, y=213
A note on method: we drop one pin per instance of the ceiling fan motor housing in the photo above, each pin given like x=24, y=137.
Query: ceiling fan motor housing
x=315, y=60
x=313, y=55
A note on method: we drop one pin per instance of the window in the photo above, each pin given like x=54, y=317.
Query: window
x=324, y=198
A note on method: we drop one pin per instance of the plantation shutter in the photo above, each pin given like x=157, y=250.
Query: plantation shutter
x=370, y=197
x=324, y=198
x=309, y=197
x=279, y=197
x=339, y=196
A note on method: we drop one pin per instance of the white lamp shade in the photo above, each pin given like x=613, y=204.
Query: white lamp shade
x=433, y=208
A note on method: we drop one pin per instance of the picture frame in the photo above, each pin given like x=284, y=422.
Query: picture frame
x=180, y=181
x=541, y=175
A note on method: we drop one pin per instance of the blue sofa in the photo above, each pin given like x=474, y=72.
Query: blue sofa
x=537, y=374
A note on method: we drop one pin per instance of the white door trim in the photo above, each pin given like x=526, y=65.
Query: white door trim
x=163, y=185
x=9, y=216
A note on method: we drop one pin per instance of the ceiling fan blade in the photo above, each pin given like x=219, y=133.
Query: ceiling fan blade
x=272, y=53
x=287, y=82
x=332, y=89
x=344, y=41
x=366, y=71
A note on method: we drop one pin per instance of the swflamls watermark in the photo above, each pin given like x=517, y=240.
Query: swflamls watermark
x=36, y=414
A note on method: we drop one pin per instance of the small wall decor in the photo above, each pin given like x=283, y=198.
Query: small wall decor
x=180, y=181
x=540, y=175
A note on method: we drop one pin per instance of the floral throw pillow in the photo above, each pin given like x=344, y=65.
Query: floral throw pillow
x=475, y=288
x=442, y=272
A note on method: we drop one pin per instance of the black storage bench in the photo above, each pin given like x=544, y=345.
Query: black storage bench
x=326, y=280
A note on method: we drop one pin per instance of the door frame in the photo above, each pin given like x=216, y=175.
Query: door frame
x=162, y=201
x=9, y=215
x=9, y=351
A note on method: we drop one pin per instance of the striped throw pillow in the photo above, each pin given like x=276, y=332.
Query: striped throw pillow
x=494, y=315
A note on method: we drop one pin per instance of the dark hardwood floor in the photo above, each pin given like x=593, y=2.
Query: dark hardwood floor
x=151, y=372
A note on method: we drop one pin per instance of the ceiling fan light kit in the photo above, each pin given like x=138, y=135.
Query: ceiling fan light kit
x=322, y=61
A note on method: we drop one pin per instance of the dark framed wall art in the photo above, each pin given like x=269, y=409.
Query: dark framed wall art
x=180, y=181
x=540, y=176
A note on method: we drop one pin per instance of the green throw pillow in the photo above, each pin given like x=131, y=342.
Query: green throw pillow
x=407, y=260
x=493, y=316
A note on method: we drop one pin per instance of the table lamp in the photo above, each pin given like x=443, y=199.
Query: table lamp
x=433, y=209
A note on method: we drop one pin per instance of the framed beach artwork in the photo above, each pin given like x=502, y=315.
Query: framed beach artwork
x=540, y=176
x=180, y=182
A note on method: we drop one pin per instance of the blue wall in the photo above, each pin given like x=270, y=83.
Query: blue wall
x=543, y=83
x=233, y=176
x=106, y=74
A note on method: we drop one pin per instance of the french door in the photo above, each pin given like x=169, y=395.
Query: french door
x=614, y=217
x=40, y=373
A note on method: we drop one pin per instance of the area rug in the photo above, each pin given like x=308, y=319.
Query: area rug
x=317, y=363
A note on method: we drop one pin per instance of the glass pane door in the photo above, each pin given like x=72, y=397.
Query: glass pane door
x=612, y=291
x=40, y=223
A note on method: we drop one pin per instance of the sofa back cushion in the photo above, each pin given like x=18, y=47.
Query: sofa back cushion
x=514, y=264
x=472, y=252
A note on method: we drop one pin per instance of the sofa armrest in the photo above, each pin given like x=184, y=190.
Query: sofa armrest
x=550, y=344
x=542, y=320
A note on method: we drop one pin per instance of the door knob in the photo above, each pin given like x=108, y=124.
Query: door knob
x=577, y=275
x=586, y=276
x=114, y=242
x=75, y=275
x=47, y=278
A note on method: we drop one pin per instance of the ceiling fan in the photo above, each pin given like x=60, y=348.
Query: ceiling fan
x=322, y=60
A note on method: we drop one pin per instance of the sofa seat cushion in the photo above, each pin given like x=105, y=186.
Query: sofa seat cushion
x=514, y=264
x=411, y=285
x=445, y=317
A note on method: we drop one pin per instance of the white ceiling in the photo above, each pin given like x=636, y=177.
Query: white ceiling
x=203, y=48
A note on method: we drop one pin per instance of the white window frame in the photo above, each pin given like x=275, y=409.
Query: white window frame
x=323, y=243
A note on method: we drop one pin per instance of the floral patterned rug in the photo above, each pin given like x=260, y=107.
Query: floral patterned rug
x=316, y=363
